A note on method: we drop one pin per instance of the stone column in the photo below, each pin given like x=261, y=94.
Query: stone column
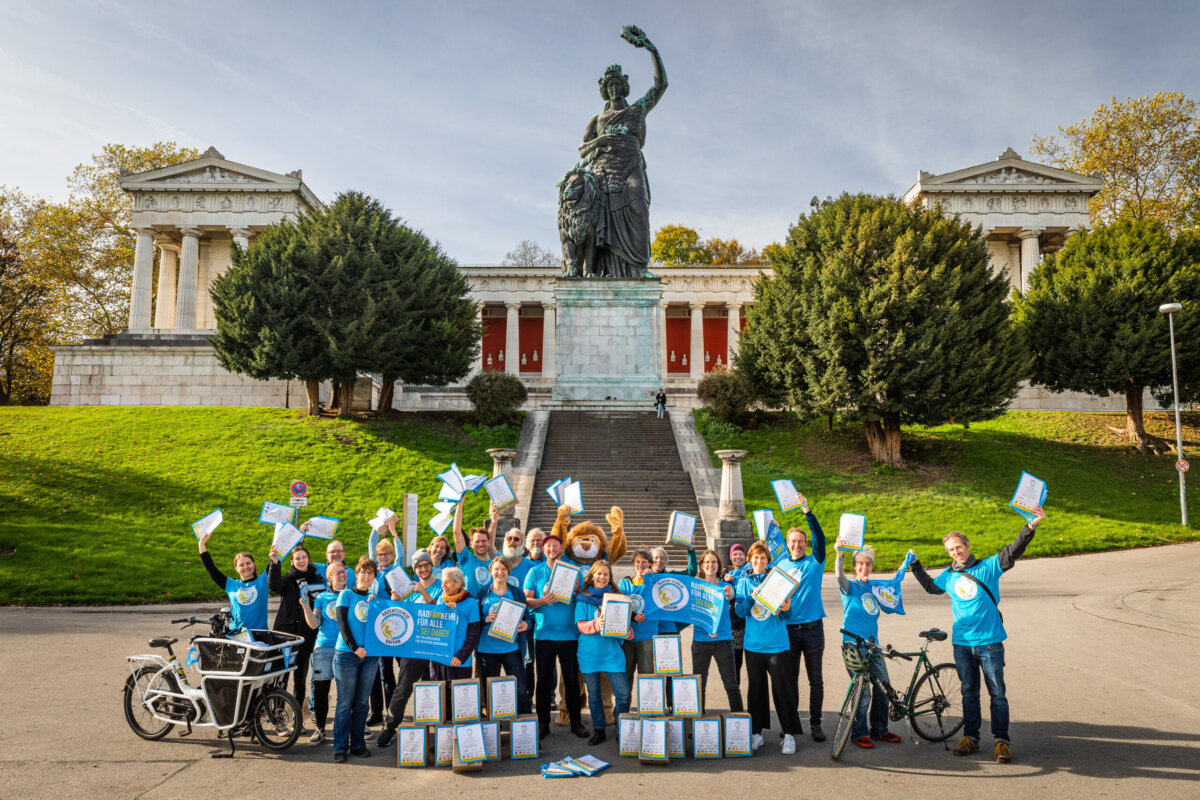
x=696, y=357
x=735, y=330
x=664, y=353
x=1014, y=265
x=241, y=236
x=143, y=280
x=189, y=265
x=502, y=461
x=1030, y=251
x=164, y=306
x=549, y=340
x=512, y=339
x=732, y=525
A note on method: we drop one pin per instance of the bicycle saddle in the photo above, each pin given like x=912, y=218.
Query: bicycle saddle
x=163, y=641
x=934, y=634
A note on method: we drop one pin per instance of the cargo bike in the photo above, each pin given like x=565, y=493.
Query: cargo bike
x=241, y=689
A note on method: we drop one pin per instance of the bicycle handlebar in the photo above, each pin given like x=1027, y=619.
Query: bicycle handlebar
x=856, y=637
x=177, y=621
x=892, y=653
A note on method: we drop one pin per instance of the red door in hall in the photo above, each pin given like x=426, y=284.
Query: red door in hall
x=679, y=338
x=716, y=343
x=530, y=331
x=494, y=331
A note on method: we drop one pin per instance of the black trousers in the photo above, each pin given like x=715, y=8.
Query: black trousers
x=303, y=653
x=411, y=671
x=760, y=666
x=567, y=654
x=722, y=653
x=807, y=642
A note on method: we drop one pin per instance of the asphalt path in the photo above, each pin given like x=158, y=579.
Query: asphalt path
x=1101, y=674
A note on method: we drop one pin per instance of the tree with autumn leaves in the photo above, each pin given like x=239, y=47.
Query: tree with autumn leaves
x=679, y=245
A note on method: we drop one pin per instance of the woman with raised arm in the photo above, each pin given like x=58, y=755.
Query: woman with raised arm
x=301, y=581
x=612, y=151
x=247, y=593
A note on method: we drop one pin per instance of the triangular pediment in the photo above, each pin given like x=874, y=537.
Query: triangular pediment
x=209, y=170
x=1009, y=171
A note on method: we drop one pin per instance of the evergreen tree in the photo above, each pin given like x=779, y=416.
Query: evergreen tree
x=1091, y=317
x=888, y=312
x=342, y=292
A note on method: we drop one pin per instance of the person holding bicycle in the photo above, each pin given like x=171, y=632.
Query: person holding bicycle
x=247, y=593
x=321, y=616
x=974, y=589
x=353, y=670
x=860, y=616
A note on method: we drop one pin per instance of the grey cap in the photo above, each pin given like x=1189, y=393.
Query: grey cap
x=421, y=555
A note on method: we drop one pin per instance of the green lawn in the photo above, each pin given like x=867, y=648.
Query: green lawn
x=1103, y=495
x=95, y=502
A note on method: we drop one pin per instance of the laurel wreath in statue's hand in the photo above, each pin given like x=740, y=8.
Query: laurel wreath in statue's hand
x=635, y=36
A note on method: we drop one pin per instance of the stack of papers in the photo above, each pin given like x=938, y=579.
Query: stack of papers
x=501, y=492
x=207, y=524
x=569, y=767
x=789, y=498
x=1031, y=492
x=276, y=513
x=681, y=529
x=852, y=530
x=443, y=518
x=287, y=536
x=769, y=533
x=455, y=484
x=381, y=516
x=566, y=492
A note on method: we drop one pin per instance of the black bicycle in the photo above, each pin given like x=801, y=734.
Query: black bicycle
x=932, y=705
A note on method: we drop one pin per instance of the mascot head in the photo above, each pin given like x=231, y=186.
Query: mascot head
x=586, y=543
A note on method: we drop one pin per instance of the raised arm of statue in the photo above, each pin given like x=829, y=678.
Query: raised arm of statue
x=637, y=37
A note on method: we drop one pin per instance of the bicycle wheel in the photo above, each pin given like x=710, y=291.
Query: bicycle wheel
x=144, y=723
x=276, y=720
x=935, y=706
x=845, y=723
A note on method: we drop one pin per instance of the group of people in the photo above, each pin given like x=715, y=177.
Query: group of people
x=559, y=643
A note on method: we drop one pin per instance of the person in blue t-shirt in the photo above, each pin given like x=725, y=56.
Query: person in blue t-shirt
x=455, y=596
x=974, y=589
x=555, y=639
x=766, y=656
x=322, y=617
x=353, y=670
x=474, y=560
x=247, y=593
x=806, y=633
x=599, y=654
x=519, y=562
x=639, y=649
x=335, y=553
x=716, y=646
x=860, y=616
x=496, y=652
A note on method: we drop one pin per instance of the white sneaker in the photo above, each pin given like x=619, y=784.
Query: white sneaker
x=317, y=737
x=756, y=741
x=789, y=745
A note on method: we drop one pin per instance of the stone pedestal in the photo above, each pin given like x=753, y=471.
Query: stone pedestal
x=502, y=462
x=732, y=525
x=608, y=343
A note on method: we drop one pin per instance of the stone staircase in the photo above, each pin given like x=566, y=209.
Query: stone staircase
x=622, y=458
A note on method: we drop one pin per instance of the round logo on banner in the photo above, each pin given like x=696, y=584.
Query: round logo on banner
x=760, y=612
x=965, y=588
x=670, y=594
x=360, y=610
x=394, y=626
x=886, y=596
x=869, y=605
x=247, y=595
x=637, y=603
x=481, y=575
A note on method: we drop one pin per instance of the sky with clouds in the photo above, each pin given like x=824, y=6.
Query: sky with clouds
x=462, y=116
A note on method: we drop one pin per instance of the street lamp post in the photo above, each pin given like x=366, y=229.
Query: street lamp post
x=1169, y=309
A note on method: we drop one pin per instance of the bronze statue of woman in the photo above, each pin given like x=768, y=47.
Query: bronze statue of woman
x=612, y=151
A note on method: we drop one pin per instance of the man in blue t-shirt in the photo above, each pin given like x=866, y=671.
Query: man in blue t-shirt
x=974, y=589
x=475, y=552
x=806, y=632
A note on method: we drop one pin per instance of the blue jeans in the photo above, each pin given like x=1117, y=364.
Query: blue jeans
x=970, y=661
x=354, y=677
x=620, y=689
x=875, y=699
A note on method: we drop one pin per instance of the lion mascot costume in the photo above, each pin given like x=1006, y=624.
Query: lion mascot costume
x=585, y=544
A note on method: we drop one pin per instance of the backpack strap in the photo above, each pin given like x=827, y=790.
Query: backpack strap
x=986, y=590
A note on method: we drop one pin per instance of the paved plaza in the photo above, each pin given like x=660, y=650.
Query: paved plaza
x=1100, y=670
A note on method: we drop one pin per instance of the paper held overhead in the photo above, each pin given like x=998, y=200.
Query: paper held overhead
x=276, y=513
x=321, y=527
x=501, y=492
x=208, y=523
x=789, y=498
x=852, y=531
x=286, y=537
x=459, y=483
x=681, y=529
x=567, y=492
x=1030, y=493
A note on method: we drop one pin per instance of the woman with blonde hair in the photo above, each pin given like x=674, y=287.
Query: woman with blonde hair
x=719, y=645
x=495, y=652
x=599, y=654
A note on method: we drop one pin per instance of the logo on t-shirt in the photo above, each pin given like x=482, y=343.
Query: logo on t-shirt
x=394, y=626
x=247, y=595
x=637, y=603
x=760, y=612
x=965, y=588
x=481, y=574
x=870, y=605
x=360, y=610
x=331, y=611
